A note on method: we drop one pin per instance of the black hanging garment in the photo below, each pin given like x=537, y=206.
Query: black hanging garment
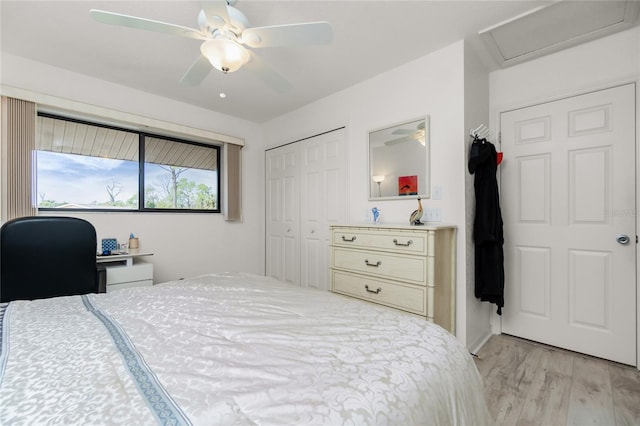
x=487, y=226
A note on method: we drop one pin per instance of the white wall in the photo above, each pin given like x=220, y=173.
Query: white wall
x=596, y=65
x=184, y=244
x=476, y=112
x=432, y=85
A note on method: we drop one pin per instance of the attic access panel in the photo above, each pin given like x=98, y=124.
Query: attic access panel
x=555, y=27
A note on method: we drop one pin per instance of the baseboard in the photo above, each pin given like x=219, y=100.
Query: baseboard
x=475, y=347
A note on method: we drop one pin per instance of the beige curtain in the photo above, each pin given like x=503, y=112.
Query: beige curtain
x=17, y=147
x=233, y=178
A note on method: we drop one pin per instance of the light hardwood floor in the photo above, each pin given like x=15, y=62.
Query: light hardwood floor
x=527, y=383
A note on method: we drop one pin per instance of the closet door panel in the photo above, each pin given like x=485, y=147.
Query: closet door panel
x=283, y=214
x=312, y=196
x=305, y=193
x=323, y=203
x=334, y=184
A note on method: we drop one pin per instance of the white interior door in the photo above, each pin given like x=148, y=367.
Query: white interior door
x=323, y=203
x=283, y=214
x=568, y=191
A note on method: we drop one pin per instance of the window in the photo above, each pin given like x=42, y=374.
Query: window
x=82, y=165
x=179, y=175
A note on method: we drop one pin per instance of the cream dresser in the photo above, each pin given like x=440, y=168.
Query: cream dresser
x=411, y=268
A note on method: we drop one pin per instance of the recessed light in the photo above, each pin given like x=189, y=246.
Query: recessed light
x=223, y=95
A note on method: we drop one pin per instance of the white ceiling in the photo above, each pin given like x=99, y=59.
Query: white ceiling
x=370, y=37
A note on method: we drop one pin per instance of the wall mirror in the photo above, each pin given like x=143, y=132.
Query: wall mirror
x=399, y=161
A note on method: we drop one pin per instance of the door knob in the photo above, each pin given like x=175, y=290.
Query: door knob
x=623, y=239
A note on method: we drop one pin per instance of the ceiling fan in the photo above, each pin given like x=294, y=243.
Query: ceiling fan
x=419, y=135
x=224, y=30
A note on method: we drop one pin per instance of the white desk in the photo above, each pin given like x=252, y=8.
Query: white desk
x=127, y=270
x=124, y=257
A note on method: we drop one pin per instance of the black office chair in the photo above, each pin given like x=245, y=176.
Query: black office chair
x=43, y=257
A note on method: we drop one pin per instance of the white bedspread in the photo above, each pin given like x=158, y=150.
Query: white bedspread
x=230, y=349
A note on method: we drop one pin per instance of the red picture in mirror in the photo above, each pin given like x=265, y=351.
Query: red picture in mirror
x=408, y=185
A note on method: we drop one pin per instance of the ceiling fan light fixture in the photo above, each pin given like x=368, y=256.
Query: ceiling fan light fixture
x=224, y=54
x=422, y=137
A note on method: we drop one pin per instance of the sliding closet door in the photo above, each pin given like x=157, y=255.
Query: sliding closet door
x=306, y=193
x=323, y=203
x=283, y=214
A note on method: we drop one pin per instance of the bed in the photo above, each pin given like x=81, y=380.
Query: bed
x=230, y=349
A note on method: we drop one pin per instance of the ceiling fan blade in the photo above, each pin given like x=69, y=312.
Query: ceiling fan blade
x=402, y=132
x=213, y=8
x=399, y=140
x=268, y=75
x=145, y=24
x=197, y=72
x=288, y=35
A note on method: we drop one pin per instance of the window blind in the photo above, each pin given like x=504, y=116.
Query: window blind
x=233, y=192
x=18, y=136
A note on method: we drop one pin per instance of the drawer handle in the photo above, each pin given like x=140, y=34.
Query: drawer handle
x=375, y=265
x=349, y=241
x=407, y=244
x=376, y=291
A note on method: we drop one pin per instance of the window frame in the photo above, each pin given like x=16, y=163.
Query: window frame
x=142, y=135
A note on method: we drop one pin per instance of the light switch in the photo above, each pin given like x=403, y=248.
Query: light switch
x=436, y=192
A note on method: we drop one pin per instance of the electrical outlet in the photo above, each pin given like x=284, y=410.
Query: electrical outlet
x=432, y=214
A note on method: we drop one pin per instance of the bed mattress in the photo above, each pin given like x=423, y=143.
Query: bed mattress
x=230, y=349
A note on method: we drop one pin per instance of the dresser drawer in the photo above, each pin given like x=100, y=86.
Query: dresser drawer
x=397, y=267
x=406, y=297
x=387, y=240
